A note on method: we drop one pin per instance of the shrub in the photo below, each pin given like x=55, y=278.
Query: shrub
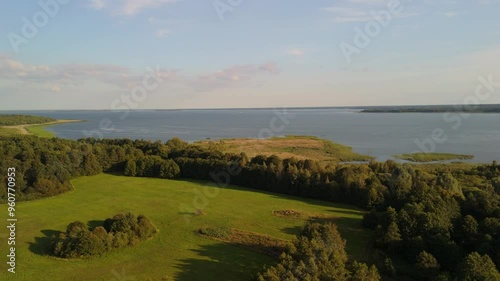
x=118, y=232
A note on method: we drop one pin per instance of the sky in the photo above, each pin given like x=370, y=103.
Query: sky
x=170, y=54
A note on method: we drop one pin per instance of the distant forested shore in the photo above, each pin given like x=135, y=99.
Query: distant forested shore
x=468, y=108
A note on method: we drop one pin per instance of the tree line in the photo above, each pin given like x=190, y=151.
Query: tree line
x=439, y=215
x=14, y=119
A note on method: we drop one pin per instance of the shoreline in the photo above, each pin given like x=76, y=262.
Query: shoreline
x=24, y=129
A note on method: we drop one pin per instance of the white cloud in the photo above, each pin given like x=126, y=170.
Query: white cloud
x=128, y=7
x=132, y=7
x=161, y=33
x=451, y=14
x=347, y=12
x=118, y=78
x=97, y=4
x=370, y=2
x=294, y=52
x=347, y=15
x=55, y=89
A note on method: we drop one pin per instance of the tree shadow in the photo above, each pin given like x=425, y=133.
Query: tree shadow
x=221, y=261
x=312, y=201
x=41, y=244
x=358, y=239
x=294, y=230
x=94, y=223
x=347, y=212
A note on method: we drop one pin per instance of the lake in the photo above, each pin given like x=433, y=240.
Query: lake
x=381, y=135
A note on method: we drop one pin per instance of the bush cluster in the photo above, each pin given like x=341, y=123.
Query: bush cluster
x=118, y=232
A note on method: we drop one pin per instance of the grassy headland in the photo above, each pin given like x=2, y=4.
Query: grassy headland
x=300, y=147
x=37, y=129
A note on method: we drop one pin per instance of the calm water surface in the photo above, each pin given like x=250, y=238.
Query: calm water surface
x=378, y=134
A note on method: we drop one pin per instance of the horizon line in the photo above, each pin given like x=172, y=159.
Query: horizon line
x=262, y=108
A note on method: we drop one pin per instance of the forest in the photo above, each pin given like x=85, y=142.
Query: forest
x=14, y=120
x=431, y=222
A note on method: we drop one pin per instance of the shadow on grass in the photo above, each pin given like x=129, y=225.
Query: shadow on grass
x=294, y=230
x=348, y=212
x=41, y=244
x=221, y=261
x=336, y=207
x=312, y=201
x=358, y=239
x=94, y=223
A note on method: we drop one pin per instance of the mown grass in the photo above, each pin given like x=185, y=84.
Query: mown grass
x=40, y=130
x=430, y=157
x=177, y=250
x=301, y=147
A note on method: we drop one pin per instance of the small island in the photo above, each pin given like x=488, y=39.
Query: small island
x=432, y=157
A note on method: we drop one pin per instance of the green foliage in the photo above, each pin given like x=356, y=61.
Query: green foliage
x=361, y=272
x=318, y=253
x=388, y=267
x=477, y=268
x=427, y=265
x=14, y=120
x=447, y=211
x=118, y=232
x=152, y=166
x=215, y=232
x=44, y=167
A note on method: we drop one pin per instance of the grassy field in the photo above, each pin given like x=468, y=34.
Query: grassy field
x=177, y=250
x=8, y=132
x=430, y=157
x=32, y=129
x=301, y=147
x=39, y=130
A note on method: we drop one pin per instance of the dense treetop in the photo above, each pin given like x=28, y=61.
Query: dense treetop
x=14, y=120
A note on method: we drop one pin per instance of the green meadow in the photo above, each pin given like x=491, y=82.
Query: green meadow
x=177, y=250
x=40, y=130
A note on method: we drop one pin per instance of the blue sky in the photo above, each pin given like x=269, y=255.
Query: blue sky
x=95, y=54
